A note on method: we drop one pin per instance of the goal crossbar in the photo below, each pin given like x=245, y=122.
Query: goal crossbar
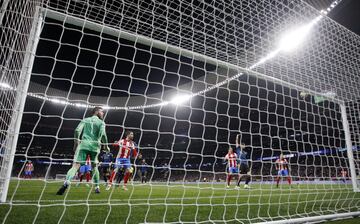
x=141, y=39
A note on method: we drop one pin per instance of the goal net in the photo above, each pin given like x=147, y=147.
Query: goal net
x=190, y=79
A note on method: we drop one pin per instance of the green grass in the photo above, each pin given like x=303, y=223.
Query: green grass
x=35, y=201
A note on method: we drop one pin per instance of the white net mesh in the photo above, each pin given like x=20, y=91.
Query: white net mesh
x=186, y=77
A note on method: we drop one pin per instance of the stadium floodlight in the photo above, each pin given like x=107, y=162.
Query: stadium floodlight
x=293, y=38
x=179, y=99
x=81, y=105
x=6, y=86
x=57, y=101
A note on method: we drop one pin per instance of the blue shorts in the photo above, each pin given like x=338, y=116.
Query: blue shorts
x=27, y=172
x=283, y=173
x=233, y=170
x=123, y=163
x=85, y=168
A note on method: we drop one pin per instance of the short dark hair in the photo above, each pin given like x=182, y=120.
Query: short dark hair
x=96, y=109
x=127, y=133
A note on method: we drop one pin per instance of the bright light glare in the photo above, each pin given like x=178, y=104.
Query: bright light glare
x=4, y=85
x=179, y=99
x=294, y=38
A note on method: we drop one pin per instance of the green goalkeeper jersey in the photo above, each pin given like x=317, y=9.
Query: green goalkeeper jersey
x=93, y=133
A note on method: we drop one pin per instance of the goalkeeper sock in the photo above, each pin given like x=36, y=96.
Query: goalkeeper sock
x=70, y=175
x=88, y=176
x=96, y=176
x=277, y=181
x=289, y=180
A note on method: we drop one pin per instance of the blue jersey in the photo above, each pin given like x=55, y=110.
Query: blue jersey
x=106, y=159
x=143, y=167
x=242, y=156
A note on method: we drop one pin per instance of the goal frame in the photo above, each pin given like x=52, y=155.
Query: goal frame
x=19, y=104
x=24, y=80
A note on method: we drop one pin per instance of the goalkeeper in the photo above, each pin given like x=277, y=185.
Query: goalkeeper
x=92, y=133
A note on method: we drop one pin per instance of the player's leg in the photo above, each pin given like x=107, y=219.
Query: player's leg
x=96, y=174
x=127, y=175
x=229, y=176
x=278, y=178
x=79, y=157
x=105, y=173
x=240, y=174
x=286, y=173
x=247, y=176
x=88, y=173
x=81, y=173
x=113, y=173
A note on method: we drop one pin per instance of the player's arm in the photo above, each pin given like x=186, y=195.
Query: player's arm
x=237, y=142
x=104, y=138
x=77, y=134
x=226, y=157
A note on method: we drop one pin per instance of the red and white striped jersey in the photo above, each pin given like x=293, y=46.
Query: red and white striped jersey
x=231, y=158
x=29, y=167
x=281, y=164
x=126, y=149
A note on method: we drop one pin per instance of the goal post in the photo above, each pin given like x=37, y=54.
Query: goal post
x=349, y=149
x=19, y=103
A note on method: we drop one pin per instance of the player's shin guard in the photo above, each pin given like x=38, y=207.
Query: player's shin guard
x=70, y=174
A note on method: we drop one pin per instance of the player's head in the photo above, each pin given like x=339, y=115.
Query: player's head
x=98, y=111
x=129, y=135
x=230, y=150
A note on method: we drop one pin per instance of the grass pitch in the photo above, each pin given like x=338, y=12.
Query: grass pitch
x=34, y=201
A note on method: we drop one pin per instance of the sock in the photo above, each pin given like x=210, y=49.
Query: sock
x=88, y=176
x=239, y=180
x=277, y=181
x=105, y=178
x=120, y=176
x=126, y=177
x=289, y=180
x=113, y=173
x=96, y=176
x=247, y=179
x=70, y=174
x=80, y=177
x=228, y=179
